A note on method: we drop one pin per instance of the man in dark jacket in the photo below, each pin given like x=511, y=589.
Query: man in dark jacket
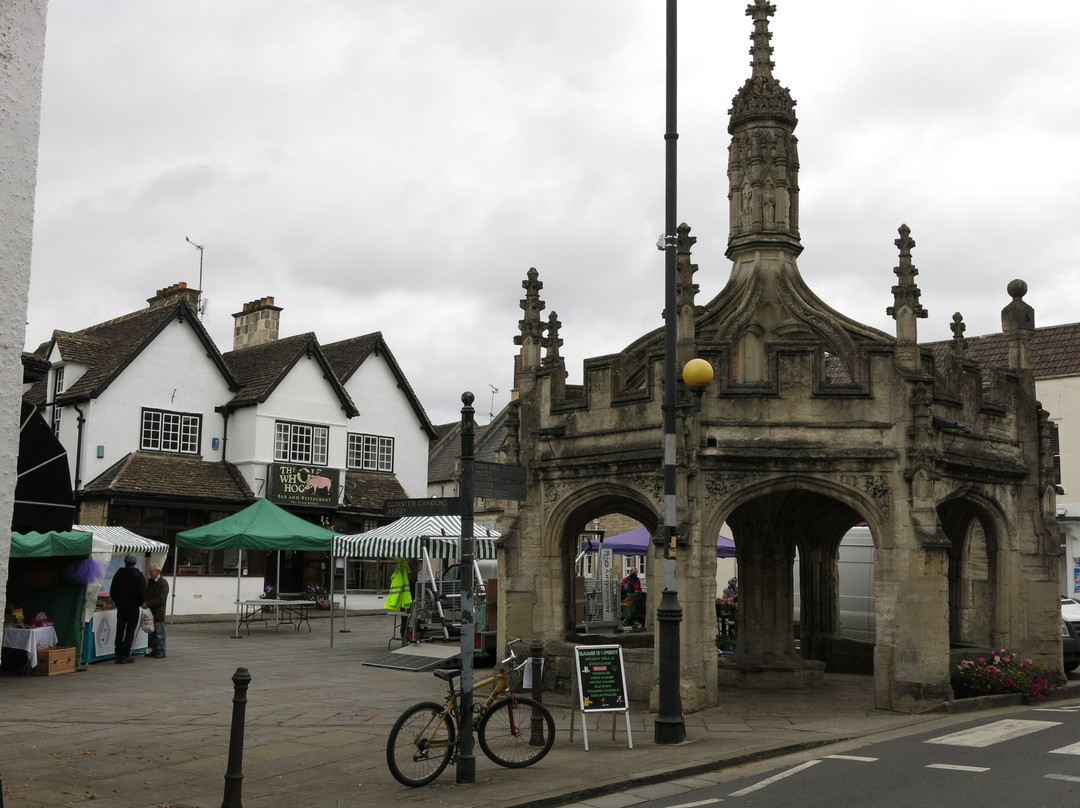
x=157, y=597
x=128, y=592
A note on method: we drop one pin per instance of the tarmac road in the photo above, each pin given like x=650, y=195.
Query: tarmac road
x=156, y=733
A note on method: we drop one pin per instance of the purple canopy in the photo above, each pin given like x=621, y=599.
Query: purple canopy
x=636, y=542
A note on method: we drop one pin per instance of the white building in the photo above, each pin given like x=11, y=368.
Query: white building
x=166, y=433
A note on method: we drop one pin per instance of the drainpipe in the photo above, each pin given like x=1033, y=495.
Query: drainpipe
x=224, y=412
x=78, y=446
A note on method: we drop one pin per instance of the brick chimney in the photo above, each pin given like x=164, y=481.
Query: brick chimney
x=172, y=295
x=257, y=324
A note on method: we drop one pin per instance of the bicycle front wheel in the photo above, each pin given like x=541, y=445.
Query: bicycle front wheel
x=516, y=732
x=420, y=744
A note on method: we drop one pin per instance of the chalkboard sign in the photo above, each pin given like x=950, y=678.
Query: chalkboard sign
x=600, y=677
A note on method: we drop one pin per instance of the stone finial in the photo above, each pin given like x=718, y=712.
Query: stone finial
x=686, y=289
x=551, y=342
x=532, y=305
x=906, y=293
x=760, y=11
x=959, y=344
x=1018, y=315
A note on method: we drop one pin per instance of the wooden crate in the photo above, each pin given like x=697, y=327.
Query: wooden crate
x=54, y=660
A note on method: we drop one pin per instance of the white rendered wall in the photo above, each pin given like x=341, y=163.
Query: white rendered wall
x=1061, y=398
x=385, y=410
x=303, y=396
x=173, y=373
x=22, y=44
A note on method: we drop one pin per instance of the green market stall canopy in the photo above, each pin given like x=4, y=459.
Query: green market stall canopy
x=262, y=526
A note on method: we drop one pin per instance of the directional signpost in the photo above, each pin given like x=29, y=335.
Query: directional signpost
x=432, y=506
x=498, y=480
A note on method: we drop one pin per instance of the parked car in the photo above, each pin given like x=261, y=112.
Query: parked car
x=1070, y=633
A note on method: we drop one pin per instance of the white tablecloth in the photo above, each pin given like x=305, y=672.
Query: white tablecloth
x=28, y=640
x=103, y=625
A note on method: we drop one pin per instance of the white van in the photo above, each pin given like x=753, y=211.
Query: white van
x=856, y=583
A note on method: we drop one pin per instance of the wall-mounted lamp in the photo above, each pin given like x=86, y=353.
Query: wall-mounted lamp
x=698, y=374
x=100, y=450
x=556, y=431
x=937, y=422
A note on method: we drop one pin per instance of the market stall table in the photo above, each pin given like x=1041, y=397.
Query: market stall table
x=28, y=640
x=286, y=612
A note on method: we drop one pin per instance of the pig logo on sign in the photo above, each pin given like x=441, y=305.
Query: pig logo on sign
x=315, y=484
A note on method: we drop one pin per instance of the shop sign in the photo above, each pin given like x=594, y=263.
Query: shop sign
x=293, y=484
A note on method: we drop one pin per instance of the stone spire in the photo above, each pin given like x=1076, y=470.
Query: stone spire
x=531, y=327
x=763, y=161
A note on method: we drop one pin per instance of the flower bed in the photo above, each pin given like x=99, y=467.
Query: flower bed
x=1001, y=672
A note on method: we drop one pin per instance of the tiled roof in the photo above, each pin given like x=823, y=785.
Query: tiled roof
x=170, y=477
x=368, y=490
x=349, y=354
x=260, y=368
x=1054, y=350
x=445, y=453
x=107, y=348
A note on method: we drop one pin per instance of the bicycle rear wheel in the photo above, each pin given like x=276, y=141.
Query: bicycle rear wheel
x=420, y=744
x=516, y=733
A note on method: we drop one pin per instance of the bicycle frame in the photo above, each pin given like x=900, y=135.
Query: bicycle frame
x=500, y=683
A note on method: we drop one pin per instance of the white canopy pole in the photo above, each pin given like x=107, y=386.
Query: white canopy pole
x=331, y=594
x=239, y=569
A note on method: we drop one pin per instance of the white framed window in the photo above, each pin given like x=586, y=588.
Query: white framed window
x=165, y=431
x=56, y=413
x=370, y=452
x=638, y=563
x=57, y=389
x=301, y=443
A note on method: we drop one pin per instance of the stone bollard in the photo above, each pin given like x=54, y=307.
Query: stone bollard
x=234, y=775
x=536, y=652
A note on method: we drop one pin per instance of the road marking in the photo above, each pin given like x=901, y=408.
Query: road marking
x=955, y=768
x=1068, y=777
x=990, y=734
x=1071, y=749
x=851, y=757
x=774, y=778
x=695, y=804
x=1072, y=709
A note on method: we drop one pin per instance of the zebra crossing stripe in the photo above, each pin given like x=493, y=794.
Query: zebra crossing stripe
x=1067, y=777
x=856, y=758
x=956, y=768
x=990, y=734
x=1071, y=749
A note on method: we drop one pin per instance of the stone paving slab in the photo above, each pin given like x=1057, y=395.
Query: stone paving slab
x=156, y=733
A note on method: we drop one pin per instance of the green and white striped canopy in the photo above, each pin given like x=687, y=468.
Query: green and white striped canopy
x=112, y=539
x=408, y=536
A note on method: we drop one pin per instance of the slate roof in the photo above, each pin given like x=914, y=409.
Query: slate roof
x=347, y=355
x=368, y=490
x=446, y=452
x=108, y=348
x=1054, y=350
x=259, y=369
x=173, y=478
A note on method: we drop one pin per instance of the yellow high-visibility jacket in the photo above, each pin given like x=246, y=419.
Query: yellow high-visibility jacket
x=400, y=597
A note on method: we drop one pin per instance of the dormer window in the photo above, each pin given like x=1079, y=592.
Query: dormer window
x=164, y=431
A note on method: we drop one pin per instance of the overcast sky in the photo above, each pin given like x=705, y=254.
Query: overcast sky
x=398, y=165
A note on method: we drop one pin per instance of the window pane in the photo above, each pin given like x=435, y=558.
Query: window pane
x=320, y=439
x=151, y=431
x=281, y=442
x=386, y=454
x=354, y=456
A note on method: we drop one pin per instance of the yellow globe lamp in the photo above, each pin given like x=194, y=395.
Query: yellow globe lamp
x=697, y=373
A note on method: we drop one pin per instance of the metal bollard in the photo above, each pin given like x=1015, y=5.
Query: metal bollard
x=234, y=775
x=536, y=652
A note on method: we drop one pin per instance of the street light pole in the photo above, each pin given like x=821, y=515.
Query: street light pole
x=669, y=726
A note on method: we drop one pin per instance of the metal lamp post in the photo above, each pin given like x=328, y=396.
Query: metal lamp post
x=669, y=726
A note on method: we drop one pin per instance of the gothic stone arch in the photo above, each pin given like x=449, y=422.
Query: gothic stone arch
x=814, y=422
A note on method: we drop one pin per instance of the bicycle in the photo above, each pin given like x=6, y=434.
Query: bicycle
x=514, y=731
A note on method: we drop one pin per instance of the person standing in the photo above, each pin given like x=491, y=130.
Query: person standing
x=128, y=592
x=157, y=597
